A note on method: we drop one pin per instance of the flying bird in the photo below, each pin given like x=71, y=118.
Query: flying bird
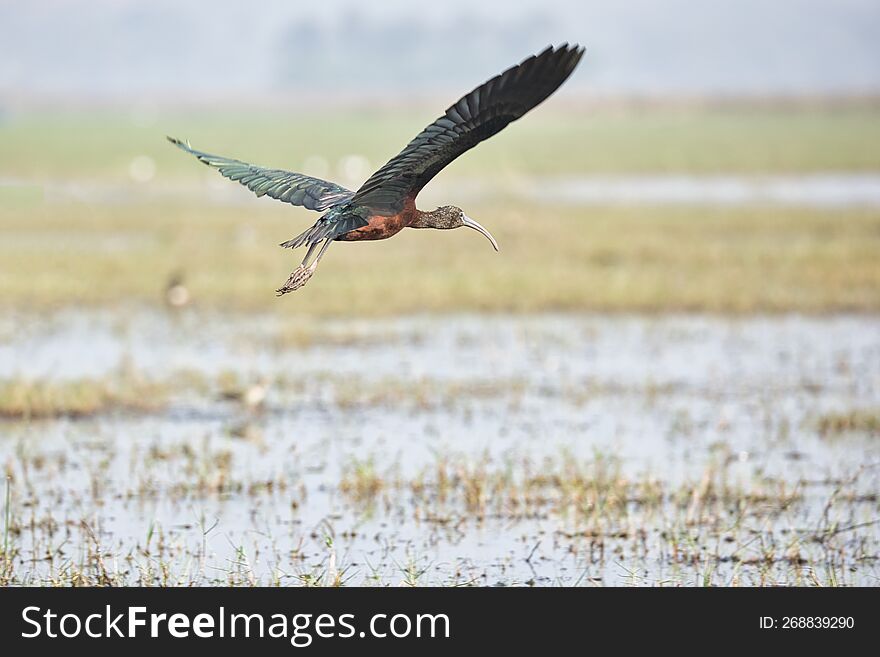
x=386, y=203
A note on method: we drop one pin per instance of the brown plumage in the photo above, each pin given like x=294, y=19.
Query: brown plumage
x=385, y=204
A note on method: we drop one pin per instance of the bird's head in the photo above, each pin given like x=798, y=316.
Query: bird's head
x=450, y=216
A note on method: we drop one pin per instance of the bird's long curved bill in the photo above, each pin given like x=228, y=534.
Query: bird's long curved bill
x=470, y=223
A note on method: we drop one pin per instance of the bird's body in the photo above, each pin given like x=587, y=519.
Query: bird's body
x=386, y=203
x=383, y=226
x=376, y=226
x=380, y=227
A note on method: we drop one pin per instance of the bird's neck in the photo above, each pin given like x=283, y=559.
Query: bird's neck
x=439, y=218
x=422, y=219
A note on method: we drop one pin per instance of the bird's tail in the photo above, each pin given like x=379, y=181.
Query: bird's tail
x=330, y=226
x=300, y=239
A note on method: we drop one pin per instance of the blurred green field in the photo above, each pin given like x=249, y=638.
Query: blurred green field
x=618, y=259
x=69, y=251
x=592, y=140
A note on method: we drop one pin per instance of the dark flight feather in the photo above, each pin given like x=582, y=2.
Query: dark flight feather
x=336, y=222
x=477, y=116
x=293, y=188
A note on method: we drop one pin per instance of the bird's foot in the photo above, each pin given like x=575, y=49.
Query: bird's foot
x=298, y=277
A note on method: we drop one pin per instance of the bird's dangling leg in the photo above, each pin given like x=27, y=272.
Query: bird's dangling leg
x=301, y=275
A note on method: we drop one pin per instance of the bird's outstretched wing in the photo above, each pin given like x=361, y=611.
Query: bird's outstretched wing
x=475, y=117
x=293, y=188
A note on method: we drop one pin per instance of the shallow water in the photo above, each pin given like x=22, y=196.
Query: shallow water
x=820, y=190
x=672, y=404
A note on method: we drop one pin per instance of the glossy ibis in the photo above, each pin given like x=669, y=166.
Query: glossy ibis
x=385, y=203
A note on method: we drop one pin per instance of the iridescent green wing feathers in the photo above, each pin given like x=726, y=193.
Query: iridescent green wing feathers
x=293, y=188
x=477, y=116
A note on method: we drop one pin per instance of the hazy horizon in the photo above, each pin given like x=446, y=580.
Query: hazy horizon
x=115, y=51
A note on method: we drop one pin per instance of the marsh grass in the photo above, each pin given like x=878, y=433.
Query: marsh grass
x=730, y=260
x=722, y=525
x=594, y=494
x=857, y=420
x=360, y=480
x=36, y=400
x=6, y=565
x=751, y=528
x=306, y=334
x=45, y=399
x=717, y=528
